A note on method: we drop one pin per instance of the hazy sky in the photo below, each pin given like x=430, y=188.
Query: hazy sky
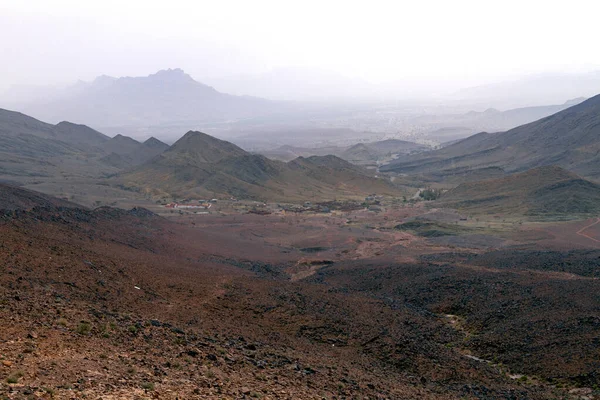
x=60, y=41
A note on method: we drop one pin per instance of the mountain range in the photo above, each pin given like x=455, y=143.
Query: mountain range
x=569, y=138
x=445, y=127
x=169, y=102
x=168, y=96
x=48, y=156
x=31, y=150
x=199, y=165
x=365, y=154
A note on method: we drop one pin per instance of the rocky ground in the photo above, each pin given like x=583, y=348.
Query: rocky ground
x=127, y=305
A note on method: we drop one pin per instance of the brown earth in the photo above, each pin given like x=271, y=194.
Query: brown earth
x=127, y=305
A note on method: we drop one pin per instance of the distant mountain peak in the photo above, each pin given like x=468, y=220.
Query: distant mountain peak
x=154, y=142
x=176, y=74
x=203, y=148
x=491, y=111
x=574, y=102
x=124, y=139
x=102, y=79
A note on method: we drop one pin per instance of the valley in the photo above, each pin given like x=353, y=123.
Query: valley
x=130, y=304
x=373, y=268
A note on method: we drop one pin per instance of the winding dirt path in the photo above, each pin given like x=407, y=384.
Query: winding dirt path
x=581, y=231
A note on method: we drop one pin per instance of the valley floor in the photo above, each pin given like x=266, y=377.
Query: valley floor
x=400, y=303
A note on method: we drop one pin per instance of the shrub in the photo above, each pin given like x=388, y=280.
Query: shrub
x=14, y=377
x=84, y=328
x=430, y=194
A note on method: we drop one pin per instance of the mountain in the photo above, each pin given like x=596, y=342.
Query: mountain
x=199, y=165
x=125, y=152
x=154, y=143
x=570, y=139
x=121, y=145
x=377, y=152
x=168, y=96
x=444, y=127
x=45, y=144
x=15, y=124
x=31, y=150
x=288, y=153
x=366, y=154
x=548, y=190
x=68, y=160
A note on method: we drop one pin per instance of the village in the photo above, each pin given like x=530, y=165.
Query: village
x=371, y=203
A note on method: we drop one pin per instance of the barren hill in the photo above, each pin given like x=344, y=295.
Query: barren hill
x=199, y=165
x=547, y=190
x=200, y=148
x=125, y=152
x=570, y=138
x=16, y=198
x=154, y=143
x=29, y=134
x=32, y=148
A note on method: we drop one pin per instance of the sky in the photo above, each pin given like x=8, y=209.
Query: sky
x=461, y=41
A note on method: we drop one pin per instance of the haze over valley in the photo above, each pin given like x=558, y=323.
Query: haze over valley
x=323, y=200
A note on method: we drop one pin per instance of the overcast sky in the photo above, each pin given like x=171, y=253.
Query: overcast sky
x=60, y=41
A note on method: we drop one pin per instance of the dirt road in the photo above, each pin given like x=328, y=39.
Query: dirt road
x=582, y=230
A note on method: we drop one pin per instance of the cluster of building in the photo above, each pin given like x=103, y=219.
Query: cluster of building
x=200, y=206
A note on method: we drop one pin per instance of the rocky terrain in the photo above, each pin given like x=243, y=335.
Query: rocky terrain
x=544, y=191
x=199, y=165
x=126, y=304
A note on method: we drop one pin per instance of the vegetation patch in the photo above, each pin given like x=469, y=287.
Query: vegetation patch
x=434, y=229
x=316, y=249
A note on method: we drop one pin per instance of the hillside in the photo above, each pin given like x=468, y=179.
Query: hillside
x=68, y=160
x=570, y=138
x=128, y=305
x=32, y=149
x=450, y=127
x=543, y=191
x=199, y=165
x=21, y=127
x=125, y=152
x=16, y=198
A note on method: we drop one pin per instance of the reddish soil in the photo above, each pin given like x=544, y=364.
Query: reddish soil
x=588, y=231
x=571, y=235
x=126, y=305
